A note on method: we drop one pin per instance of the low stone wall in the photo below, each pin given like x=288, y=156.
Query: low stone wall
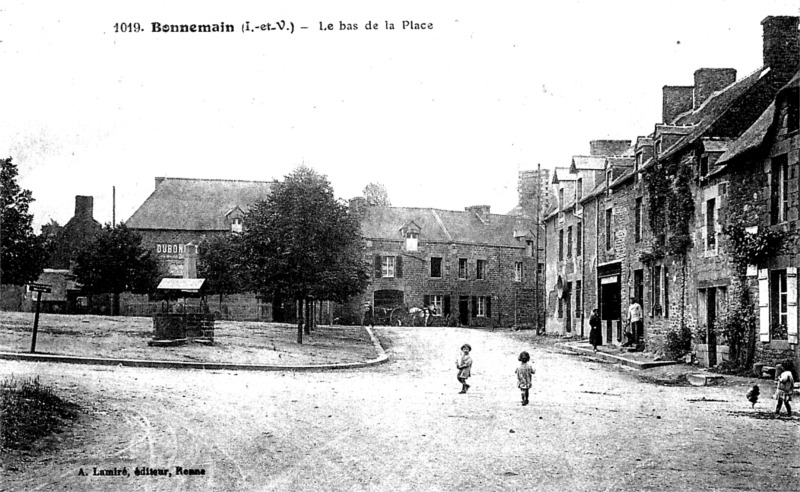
x=701, y=352
x=776, y=352
x=180, y=326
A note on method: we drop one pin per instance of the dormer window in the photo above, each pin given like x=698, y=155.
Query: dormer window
x=658, y=148
x=412, y=238
x=236, y=224
x=579, y=189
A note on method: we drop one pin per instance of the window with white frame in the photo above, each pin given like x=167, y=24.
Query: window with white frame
x=387, y=266
x=780, y=189
x=711, y=225
x=462, y=268
x=637, y=221
x=436, y=304
x=780, y=305
x=518, y=271
x=480, y=269
x=236, y=224
x=659, y=291
x=412, y=238
x=481, y=306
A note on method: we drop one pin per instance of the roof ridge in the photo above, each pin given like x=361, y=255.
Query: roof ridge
x=218, y=180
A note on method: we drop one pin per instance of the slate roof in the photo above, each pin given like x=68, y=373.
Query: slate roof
x=565, y=175
x=754, y=136
x=713, y=109
x=196, y=204
x=443, y=226
x=587, y=162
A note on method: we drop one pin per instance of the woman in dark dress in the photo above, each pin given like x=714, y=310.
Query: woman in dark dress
x=594, y=333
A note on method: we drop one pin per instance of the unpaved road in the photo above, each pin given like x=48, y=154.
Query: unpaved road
x=403, y=426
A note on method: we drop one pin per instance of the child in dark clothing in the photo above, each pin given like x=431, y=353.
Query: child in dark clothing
x=464, y=366
x=525, y=374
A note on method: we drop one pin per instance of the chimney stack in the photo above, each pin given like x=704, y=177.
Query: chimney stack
x=781, y=46
x=608, y=147
x=358, y=207
x=676, y=100
x=709, y=80
x=84, y=207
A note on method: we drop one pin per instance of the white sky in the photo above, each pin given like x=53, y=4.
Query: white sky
x=444, y=118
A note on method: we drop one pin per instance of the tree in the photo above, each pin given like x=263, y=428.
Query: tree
x=22, y=253
x=219, y=262
x=115, y=262
x=301, y=243
x=376, y=195
x=50, y=235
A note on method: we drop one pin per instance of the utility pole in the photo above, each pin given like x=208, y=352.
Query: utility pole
x=113, y=206
x=537, y=290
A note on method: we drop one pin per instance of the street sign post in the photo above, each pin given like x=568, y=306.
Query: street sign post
x=38, y=288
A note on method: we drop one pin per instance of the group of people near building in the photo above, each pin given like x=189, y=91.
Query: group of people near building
x=633, y=334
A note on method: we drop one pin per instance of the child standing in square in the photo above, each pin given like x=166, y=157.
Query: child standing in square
x=784, y=388
x=464, y=366
x=525, y=373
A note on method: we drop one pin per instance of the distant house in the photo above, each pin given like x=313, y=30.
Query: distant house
x=471, y=267
x=80, y=229
x=181, y=210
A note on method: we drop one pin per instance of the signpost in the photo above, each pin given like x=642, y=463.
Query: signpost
x=38, y=288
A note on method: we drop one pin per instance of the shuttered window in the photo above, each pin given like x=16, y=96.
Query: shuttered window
x=388, y=266
x=791, y=304
x=763, y=305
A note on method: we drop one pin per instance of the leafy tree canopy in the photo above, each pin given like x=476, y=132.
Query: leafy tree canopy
x=22, y=253
x=115, y=262
x=376, y=195
x=301, y=242
x=219, y=262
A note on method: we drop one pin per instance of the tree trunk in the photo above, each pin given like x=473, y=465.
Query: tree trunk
x=299, y=303
x=307, y=314
x=115, y=305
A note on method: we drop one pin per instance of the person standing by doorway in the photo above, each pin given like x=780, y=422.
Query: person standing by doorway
x=595, y=338
x=635, y=322
x=369, y=315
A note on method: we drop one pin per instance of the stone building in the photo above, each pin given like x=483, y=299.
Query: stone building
x=574, y=246
x=471, y=267
x=70, y=238
x=182, y=211
x=667, y=250
x=760, y=172
x=689, y=284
